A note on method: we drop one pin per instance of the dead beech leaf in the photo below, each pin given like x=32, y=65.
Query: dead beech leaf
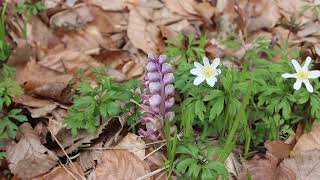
x=42, y=81
x=120, y=164
x=262, y=14
x=311, y=28
x=60, y=173
x=176, y=6
x=109, y=5
x=134, y=144
x=42, y=111
x=308, y=141
x=305, y=165
x=143, y=35
x=31, y=101
x=72, y=18
x=279, y=149
x=29, y=158
x=56, y=121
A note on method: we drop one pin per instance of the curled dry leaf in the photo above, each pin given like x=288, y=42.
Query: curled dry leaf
x=305, y=165
x=308, y=141
x=134, y=144
x=143, y=35
x=267, y=167
x=72, y=18
x=63, y=173
x=29, y=158
x=262, y=14
x=120, y=164
x=43, y=81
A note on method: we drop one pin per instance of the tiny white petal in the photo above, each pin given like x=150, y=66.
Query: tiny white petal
x=297, y=85
x=215, y=63
x=314, y=74
x=196, y=72
x=211, y=81
x=198, y=65
x=306, y=64
x=287, y=75
x=218, y=71
x=296, y=65
x=205, y=61
x=308, y=86
x=198, y=80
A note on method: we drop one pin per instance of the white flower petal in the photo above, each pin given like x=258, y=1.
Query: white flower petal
x=217, y=72
x=215, y=63
x=205, y=61
x=198, y=65
x=287, y=75
x=308, y=85
x=314, y=74
x=297, y=85
x=198, y=80
x=296, y=65
x=306, y=64
x=196, y=72
x=211, y=81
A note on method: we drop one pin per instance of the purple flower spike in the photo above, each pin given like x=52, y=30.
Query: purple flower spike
x=158, y=96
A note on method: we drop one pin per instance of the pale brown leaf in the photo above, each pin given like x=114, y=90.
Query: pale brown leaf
x=143, y=35
x=72, y=18
x=308, y=141
x=134, y=144
x=68, y=172
x=29, y=158
x=305, y=165
x=30, y=101
x=120, y=164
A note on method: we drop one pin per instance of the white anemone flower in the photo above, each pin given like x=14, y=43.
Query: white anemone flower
x=302, y=74
x=206, y=71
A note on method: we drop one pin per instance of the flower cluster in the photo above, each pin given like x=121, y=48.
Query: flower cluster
x=158, y=96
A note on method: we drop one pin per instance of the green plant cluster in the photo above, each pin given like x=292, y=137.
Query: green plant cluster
x=5, y=47
x=8, y=89
x=251, y=103
x=108, y=99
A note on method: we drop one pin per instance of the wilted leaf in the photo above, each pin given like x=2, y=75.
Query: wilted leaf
x=143, y=35
x=308, y=141
x=31, y=101
x=134, y=144
x=120, y=164
x=279, y=149
x=29, y=158
x=60, y=173
x=305, y=165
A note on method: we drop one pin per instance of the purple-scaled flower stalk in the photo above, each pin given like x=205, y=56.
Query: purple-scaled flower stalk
x=158, y=97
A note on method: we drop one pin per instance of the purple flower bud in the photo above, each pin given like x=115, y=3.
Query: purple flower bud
x=152, y=57
x=168, y=78
x=169, y=103
x=151, y=66
x=169, y=90
x=162, y=59
x=150, y=134
x=166, y=68
x=154, y=87
x=155, y=100
x=153, y=76
x=155, y=109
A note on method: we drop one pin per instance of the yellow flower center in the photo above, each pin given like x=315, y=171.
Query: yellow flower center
x=207, y=71
x=302, y=75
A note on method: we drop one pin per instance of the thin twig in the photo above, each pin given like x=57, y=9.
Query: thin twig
x=151, y=174
x=72, y=165
x=153, y=151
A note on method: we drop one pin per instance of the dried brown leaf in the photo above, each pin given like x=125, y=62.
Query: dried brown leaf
x=63, y=173
x=109, y=5
x=262, y=14
x=56, y=121
x=279, y=149
x=134, y=144
x=305, y=165
x=120, y=164
x=72, y=18
x=308, y=141
x=143, y=35
x=31, y=101
x=29, y=158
